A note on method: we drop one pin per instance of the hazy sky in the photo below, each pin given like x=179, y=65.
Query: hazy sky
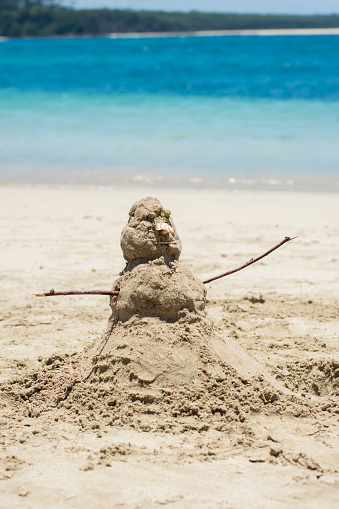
x=257, y=6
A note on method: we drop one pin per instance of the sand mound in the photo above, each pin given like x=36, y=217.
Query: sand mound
x=159, y=377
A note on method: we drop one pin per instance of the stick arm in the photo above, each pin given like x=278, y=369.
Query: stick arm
x=53, y=293
x=251, y=261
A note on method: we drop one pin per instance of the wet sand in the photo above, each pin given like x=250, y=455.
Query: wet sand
x=282, y=310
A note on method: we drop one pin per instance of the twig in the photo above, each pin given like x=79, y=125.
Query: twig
x=252, y=260
x=53, y=293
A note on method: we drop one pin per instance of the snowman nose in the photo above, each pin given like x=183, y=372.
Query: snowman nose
x=164, y=228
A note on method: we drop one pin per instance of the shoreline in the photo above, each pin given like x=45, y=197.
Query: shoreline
x=285, y=184
x=200, y=33
x=223, y=33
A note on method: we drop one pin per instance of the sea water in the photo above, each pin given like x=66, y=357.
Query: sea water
x=204, y=111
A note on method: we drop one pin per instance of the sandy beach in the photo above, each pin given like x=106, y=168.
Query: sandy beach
x=282, y=310
x=223, y=33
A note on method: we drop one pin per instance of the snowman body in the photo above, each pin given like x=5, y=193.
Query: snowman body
x=154, y=283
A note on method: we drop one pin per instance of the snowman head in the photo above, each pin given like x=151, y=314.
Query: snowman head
x=150, y=233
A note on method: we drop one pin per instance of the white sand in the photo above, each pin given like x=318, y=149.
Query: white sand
x=223, y=33
x=68, y=238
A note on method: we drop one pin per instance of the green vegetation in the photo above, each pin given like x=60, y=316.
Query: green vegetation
x=41, y=18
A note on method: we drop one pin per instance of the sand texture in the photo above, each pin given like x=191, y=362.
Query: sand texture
x=174, y=393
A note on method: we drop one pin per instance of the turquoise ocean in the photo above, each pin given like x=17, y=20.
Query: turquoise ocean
x=232, y=111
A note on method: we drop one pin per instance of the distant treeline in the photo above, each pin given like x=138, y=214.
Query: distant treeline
x=40, y=18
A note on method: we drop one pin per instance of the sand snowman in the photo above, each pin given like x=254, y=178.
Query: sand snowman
x=162, y=364
x=158, y=335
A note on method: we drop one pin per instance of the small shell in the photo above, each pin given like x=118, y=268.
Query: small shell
x=164, y=228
